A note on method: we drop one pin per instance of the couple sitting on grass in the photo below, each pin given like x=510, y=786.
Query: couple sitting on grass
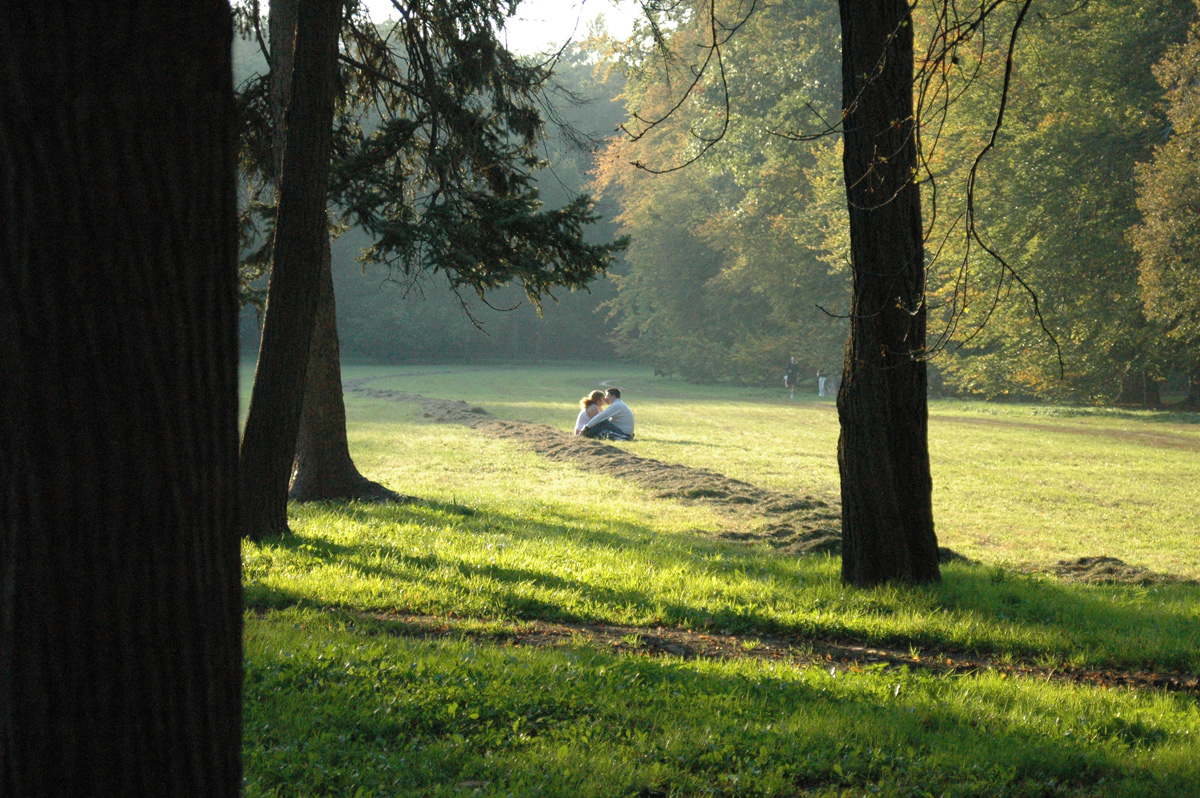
x=611, y=423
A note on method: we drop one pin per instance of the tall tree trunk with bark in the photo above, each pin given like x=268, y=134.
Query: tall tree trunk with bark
x=323, y=469
x=883, y=452
x=301, y=230
x=120, y=616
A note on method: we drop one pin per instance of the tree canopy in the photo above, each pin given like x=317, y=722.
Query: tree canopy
x=1167, y=238
x=436, y=153
x=1053, y=198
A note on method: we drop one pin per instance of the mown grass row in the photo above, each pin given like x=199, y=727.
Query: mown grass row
x=1014, y=485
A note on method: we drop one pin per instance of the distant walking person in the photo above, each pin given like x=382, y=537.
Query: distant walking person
x=613, y=423
x=589, y=407
x=791, y=376
x=820, y=383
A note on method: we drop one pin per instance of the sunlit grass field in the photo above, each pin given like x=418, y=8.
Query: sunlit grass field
x=1013, y=484
x=342, y=700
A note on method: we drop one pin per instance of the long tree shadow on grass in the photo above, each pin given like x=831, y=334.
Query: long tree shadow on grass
x=685, y=727
x=393, y=546
x=555, y=572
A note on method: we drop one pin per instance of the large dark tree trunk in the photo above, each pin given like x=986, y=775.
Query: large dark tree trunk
x=323, y=469
x=883, y=455
x=273, y=418
x=120, y=594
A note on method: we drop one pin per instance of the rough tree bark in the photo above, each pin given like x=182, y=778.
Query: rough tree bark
x=883, y=453
x=323, y=469
x=120, y=617
x=273, y=417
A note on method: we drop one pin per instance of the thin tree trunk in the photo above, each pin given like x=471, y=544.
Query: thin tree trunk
x=281, y=27
x=120, y=616
x=323, y=470
x=1139, y=389
x=273, y=418
x=883, y=455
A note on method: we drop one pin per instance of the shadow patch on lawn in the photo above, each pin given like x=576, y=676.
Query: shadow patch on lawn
x=709, y=643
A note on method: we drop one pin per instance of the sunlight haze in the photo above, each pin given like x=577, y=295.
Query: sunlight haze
x=543, y=25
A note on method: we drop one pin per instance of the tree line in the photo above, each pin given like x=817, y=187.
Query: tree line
x=741, y=259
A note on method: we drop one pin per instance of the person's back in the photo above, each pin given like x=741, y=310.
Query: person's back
x=619, y=415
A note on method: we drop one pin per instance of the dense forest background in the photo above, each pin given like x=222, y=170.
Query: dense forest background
x=738, y=260
x=387, y=317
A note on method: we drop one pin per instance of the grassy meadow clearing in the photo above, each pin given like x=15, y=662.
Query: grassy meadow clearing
x=407, y=649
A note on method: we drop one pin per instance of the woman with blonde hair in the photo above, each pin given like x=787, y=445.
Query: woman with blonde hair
x=589, y=407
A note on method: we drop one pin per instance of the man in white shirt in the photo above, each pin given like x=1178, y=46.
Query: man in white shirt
x=614, y=422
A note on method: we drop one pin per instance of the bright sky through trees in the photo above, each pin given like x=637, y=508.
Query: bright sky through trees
x=542, y=25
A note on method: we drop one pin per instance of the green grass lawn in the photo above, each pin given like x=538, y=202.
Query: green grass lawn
x=342, y=698
x=1013, y=484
